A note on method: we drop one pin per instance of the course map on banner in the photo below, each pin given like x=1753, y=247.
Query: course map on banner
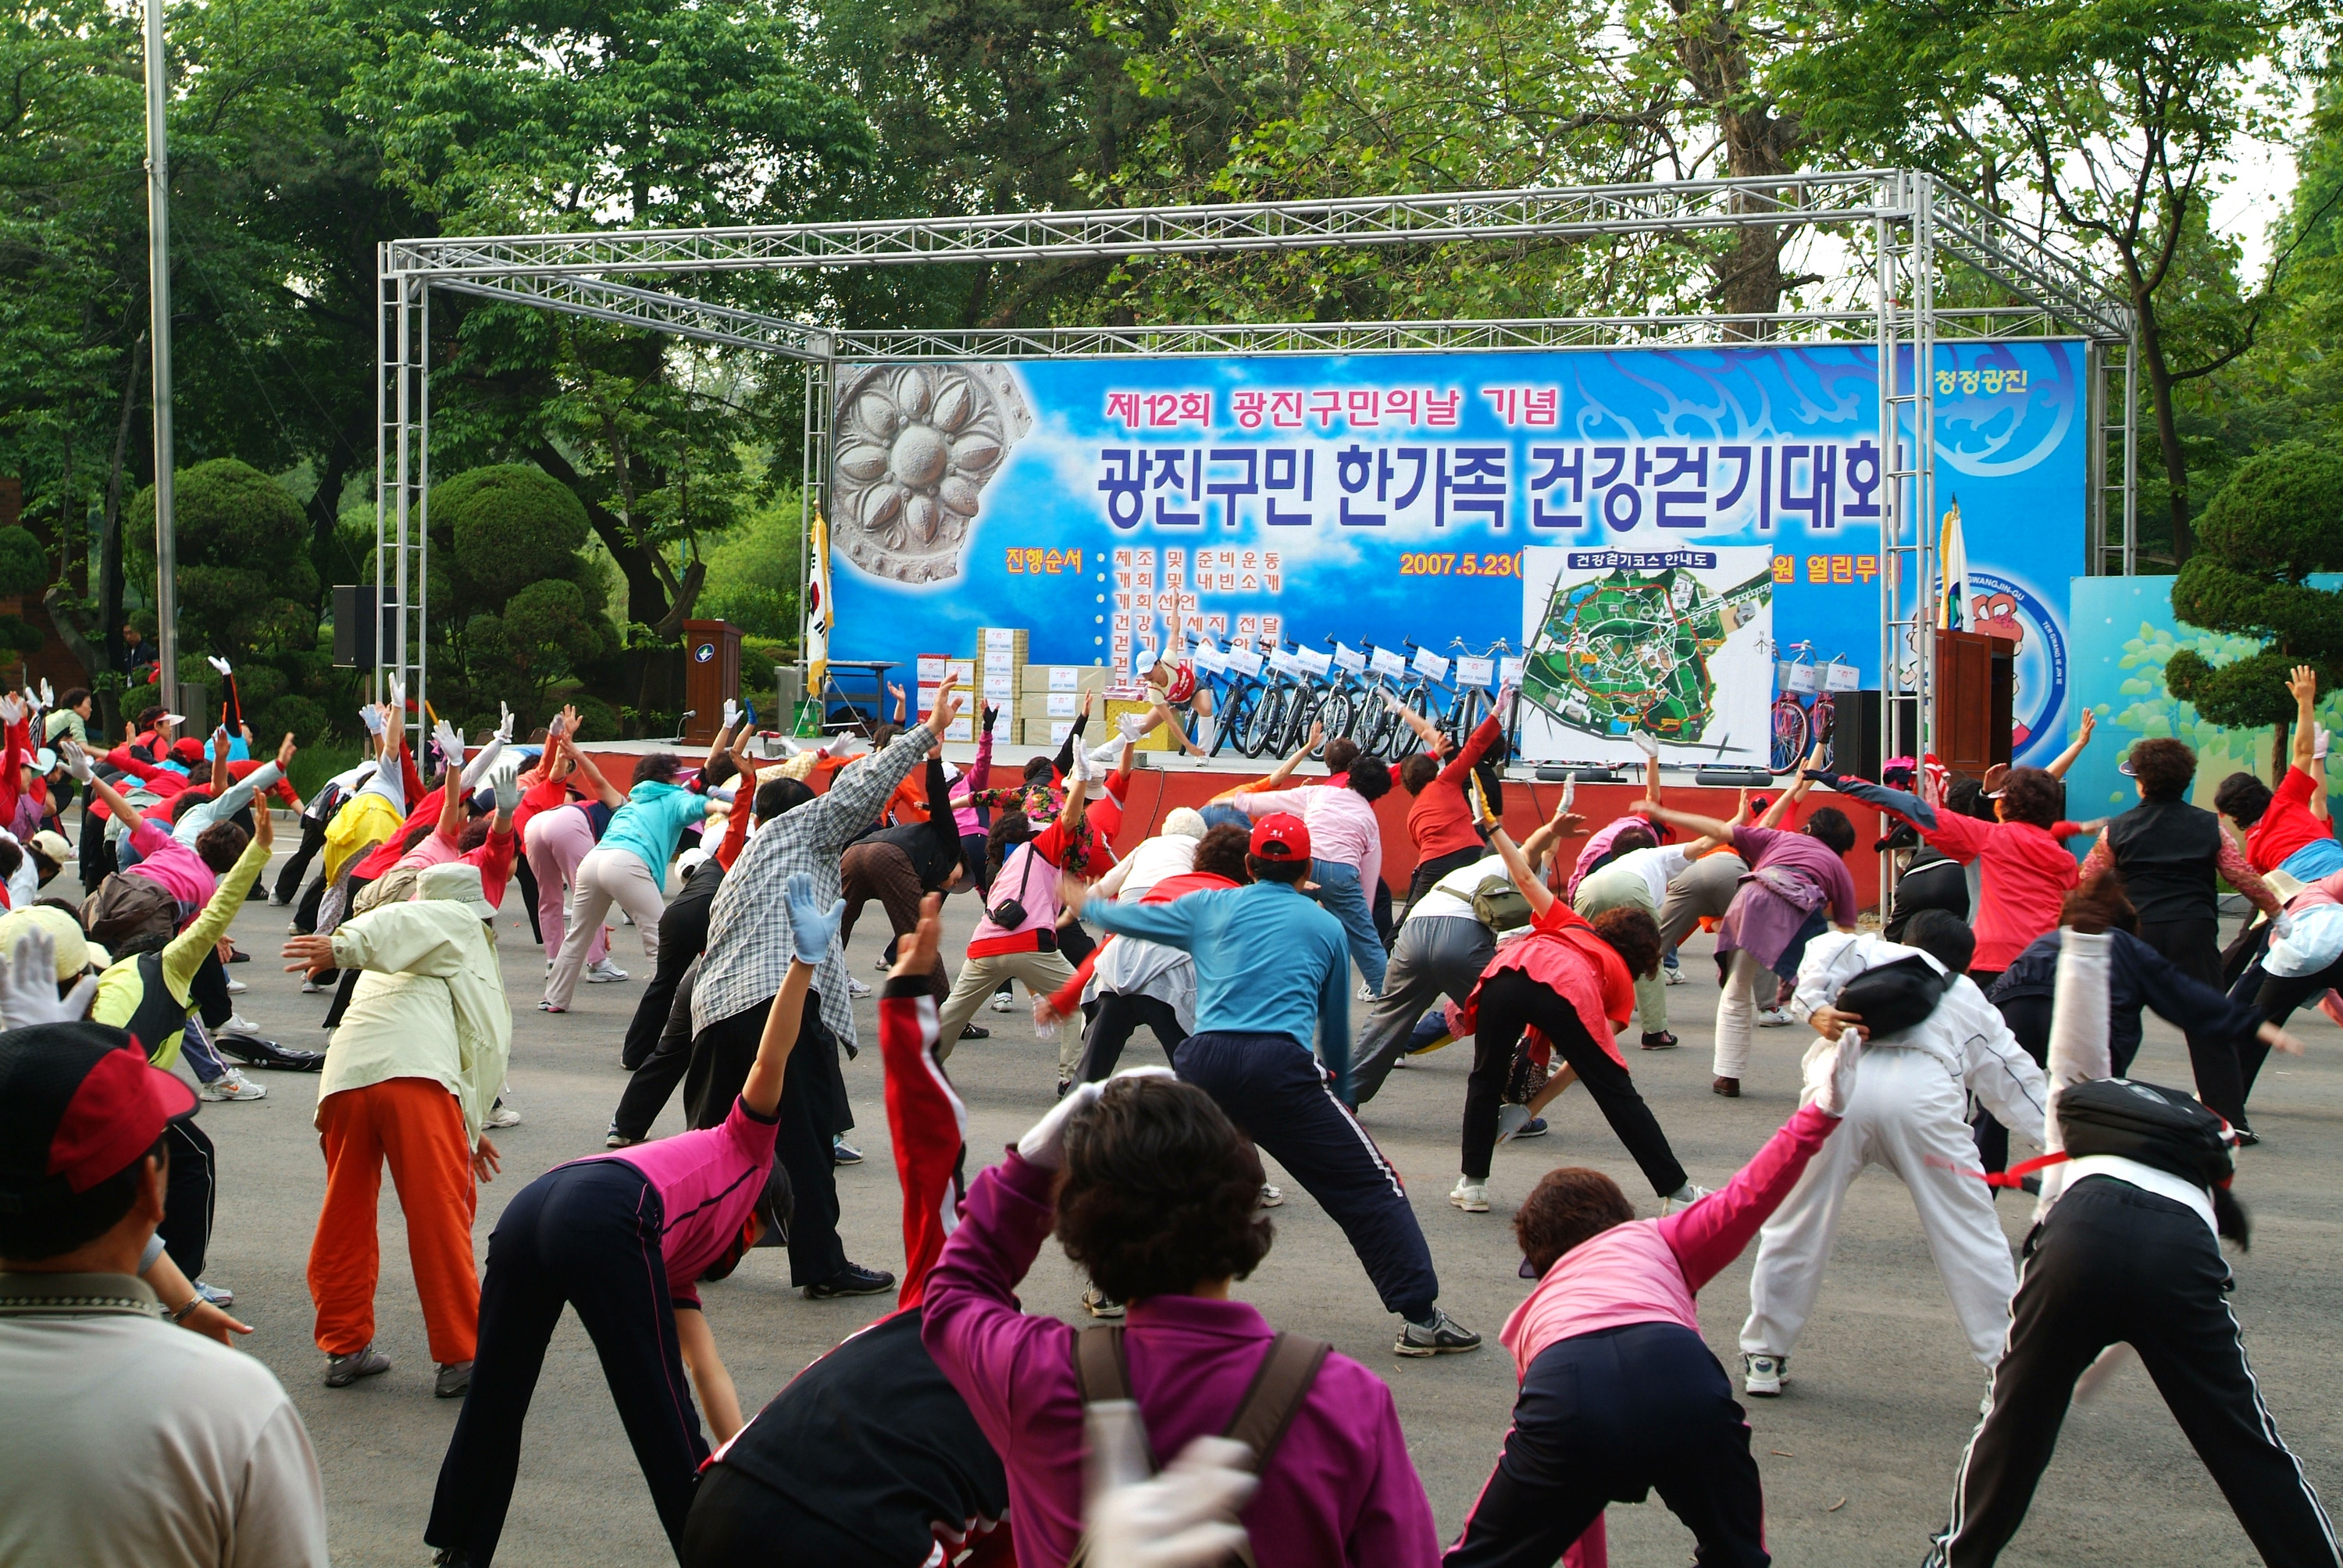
x=1116, y=509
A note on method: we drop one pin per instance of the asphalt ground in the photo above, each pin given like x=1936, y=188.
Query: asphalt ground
x=1857, y=1456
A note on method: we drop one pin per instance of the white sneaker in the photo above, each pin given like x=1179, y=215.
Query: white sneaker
x=1002, y=1001
x=1272, y=1196
x=1366, y=993
x=1775, y=1017
x=1684, y=1197
x=232, y=1085
x=237, y=988
x=1763, y=1375
x=855, y=988
x=238, y=1024
x=1471, y=1196
x=501, y=1114
x=1511, y=1120
x=311, y=988
x=1672, y=976
x=605, y=973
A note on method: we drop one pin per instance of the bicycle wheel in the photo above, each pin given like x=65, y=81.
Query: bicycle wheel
x=1405, y=742
x=1266, y=721
x=1300, y=710
x=1824, y=725
x=1340, y=713
x=1235, y=713
x=1789, y=734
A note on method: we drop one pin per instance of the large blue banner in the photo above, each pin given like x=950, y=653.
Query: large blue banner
x=1651, y=529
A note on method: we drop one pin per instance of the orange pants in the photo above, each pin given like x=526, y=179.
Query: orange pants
x=416, y=1125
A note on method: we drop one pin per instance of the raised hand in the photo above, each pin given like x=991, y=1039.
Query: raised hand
x=2301, y=684
x=28, y=988
x=11, y=709
x=76, y=763
x=284, y=749
x=1044, y=1143
x=812, y=927
x=508, y=789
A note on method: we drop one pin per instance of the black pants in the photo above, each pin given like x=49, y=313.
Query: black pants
x=585, y=1235
x=96, y=854
x=738, y=1522
x=682, y=936
x=2194, y=948
x=812, y=1112
x=1426, y=872
x=1273, y=1088
x=654, y=1079
x=2275, y=997
x=2028, y=1018
x=304, y=914
x=313, y=839
x=526, y=878
x=1511, y=1001
x=208, y=990
x=1610, y=1417
x=2115, y=1264
x=1117, y=1019
x=189, y=1194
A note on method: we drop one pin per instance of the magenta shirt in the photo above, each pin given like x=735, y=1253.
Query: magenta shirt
x=177, y=869
x=707, y=1180
x=1340, y=1488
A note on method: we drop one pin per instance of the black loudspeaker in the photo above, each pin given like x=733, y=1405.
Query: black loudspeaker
x=1861, y=742
x=354, y=625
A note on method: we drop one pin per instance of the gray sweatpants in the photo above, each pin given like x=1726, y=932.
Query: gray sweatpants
x=1704, y=888
x=1434, y=954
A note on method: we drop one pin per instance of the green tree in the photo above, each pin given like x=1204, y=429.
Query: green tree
x=2278, y=520
x=245, y=582
x=517, y=607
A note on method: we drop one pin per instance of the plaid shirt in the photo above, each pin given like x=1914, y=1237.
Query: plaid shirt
x=749, y=944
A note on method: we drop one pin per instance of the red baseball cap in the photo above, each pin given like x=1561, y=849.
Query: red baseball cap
x=1282, y=836
x=78, y=1104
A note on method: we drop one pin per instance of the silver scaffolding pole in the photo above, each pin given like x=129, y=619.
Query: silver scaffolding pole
x=158, y=294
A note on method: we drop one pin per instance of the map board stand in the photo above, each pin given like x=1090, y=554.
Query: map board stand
x=1976, y=692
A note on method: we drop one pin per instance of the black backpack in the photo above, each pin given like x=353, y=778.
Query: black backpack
x=1894, y=997
x=2161, y=1128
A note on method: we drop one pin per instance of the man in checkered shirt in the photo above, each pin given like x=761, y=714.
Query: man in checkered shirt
x=748, y=954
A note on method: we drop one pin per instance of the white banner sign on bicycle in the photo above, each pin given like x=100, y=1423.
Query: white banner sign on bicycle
x=1431, y=664
x=1315, y=660
x=1350, y=657
x=1509, y=672
x=1801, y=678
x=1841, y=678
x=1476, y=671
x=1386, y=662
x=1284, y=662
x=1208, y=657
x=1244, y=660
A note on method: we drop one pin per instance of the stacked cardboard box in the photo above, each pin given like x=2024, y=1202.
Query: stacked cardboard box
x=1000, y=674
x=937, y=671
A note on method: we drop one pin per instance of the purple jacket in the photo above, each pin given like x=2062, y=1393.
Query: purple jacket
x=1342, y=1489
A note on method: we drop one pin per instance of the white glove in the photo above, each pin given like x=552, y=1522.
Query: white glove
x=450, y=742
x=505, y=722
x=77, y=761
x=48, y=696
x=11, y=709
x=507, y=787
x=1151, y=1069
x=28, y=992
x=1830, y=1072
x=371, y=716
x=1084, y=770
x=812, y=928
x=216, y=663
x=2319, y=741
x=1184, y=1518
x=731, y=713
x=398, y=694
x=1044, y=1143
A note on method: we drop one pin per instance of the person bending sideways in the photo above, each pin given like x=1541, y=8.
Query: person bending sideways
x=1935, y=1042
x=123, y=1440
x=1574, y=982
x=2128, y=1252
x=811, y=1479
x=1151, y=1191
x=1619, y=1394
x=1272, y=968
x=624, y=1238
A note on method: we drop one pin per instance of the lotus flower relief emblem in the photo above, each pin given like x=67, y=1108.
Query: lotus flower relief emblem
x=915, y=447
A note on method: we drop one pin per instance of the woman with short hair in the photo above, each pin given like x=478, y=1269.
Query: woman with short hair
x=1152, y=1192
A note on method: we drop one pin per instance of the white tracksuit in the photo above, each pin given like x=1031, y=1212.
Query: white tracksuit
x=1908, y=1114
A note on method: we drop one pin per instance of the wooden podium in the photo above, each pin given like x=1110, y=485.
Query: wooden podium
x=711, y=673
x=1977, y=688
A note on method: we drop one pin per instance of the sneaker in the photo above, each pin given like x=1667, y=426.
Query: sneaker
x=1063, y=1085
x=549, y=1007
x=293, y=929
x=882, y=963
x=238, y=1024
x=1438, y=1335
x=605, y=973
x=238, y=956
x=311, y=988
x=237, y=987
x=1660, y=1040
x=1763, y=1375
x=618, y=1139
x=1728, y=1087
x=216, y=1295
x=232, y=1085
x=1684, y=1197
x=1002, y=1001
x=1775, y=1017
x=1511, y=1120
x=1099, y=1305
x=343, y=1370
x=856, y=989
x=1471, y=1196
x=1534, y=1128
x=975, y=1031
x=501, y=1114
x=1273, y=1196
x=1672, y=976
x=853, y=1280
x=454, y=1378
x=1366, y=993
x=842, y=1152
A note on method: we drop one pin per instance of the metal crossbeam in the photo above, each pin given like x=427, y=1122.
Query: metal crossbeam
x=1562, y=213
x=2027, y=263
x=630, y=306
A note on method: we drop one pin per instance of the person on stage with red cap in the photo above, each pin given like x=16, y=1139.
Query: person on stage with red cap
x=1272, y=969
x=137, y=1441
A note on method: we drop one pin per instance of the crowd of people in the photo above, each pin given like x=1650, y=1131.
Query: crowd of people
x=2000, y=994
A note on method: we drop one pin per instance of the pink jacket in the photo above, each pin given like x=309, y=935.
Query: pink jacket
x=1647, y=1271
x=1341, y=1490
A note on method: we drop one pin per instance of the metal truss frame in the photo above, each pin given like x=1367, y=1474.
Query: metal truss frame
x=1917, y=229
